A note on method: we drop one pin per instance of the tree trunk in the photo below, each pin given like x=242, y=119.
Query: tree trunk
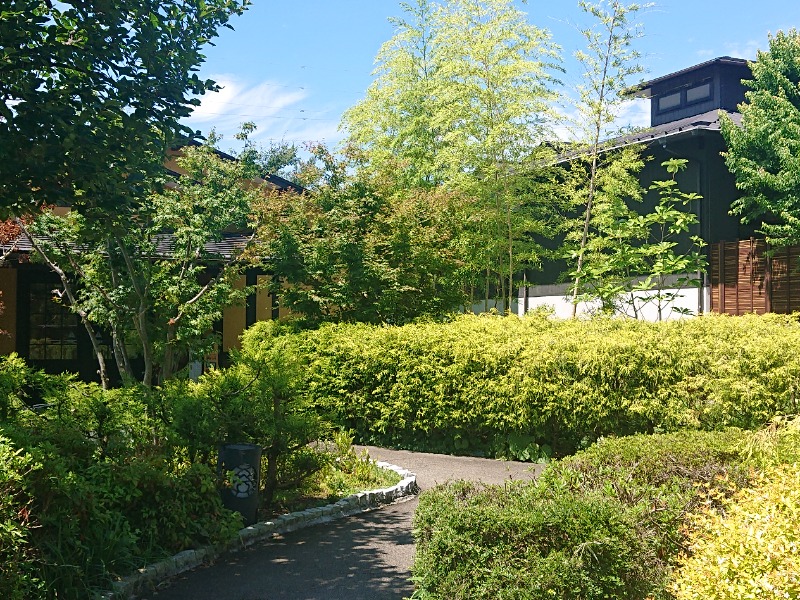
x=168, y=366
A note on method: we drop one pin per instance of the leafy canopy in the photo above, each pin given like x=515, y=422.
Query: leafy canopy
x=764, y=150
x=91, y=94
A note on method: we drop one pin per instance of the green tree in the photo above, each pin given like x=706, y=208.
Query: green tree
x=347, y=251
x=606, y=261
x=461, y=100
x=278, y=158
x=155, y=277
x=92, y=93
x=633, y=260
x=393, y=125
x=494, y=109
x=610, y=62
x=764, y=150
x=671, y=256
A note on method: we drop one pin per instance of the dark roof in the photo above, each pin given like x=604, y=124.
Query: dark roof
x=225, y=248
x=643, y=89
x=279, y=182
x=708, y=121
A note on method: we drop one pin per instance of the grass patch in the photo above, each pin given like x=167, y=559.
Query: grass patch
x=346, y=472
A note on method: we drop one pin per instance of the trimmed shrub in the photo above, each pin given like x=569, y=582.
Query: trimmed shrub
x=749, y=547
x=530, y=387
x=257, y=400
x=606, y=523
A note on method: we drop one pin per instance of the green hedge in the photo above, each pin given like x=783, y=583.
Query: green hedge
x=748, y=545
x=19, y=579
x=527, y=387
x=605, y=523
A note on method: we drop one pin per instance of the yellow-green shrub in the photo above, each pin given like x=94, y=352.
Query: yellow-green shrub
x=748, y=549
x=523, y=387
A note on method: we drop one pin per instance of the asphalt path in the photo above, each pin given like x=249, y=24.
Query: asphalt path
x=364, y=557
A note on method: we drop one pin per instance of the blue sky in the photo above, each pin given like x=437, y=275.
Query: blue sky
x=293, y=68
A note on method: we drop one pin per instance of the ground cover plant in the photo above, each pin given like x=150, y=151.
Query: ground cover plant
x=747, y=546
x=347, y=472
x=536, y=386
x=686, y=515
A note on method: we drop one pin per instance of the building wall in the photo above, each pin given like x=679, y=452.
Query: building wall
x=234, y=322
x=8, y=316
x=265, y=302
x=235, y=319
x=557, y=298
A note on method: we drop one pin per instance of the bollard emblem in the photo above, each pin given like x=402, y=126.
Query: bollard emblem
x=244, y=481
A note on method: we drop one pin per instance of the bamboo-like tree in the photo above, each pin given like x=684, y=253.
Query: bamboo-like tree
x=610, y=63
x=393, y=125
x=461, y=100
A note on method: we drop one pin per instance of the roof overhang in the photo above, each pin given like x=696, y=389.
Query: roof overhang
x=663, y=134
x=645, y=89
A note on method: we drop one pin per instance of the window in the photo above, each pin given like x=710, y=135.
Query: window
x=685, y=96
x=669, y=102
x=53, y=327
x=698, y=92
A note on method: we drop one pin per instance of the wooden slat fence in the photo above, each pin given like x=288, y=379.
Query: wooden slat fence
x=745, y=280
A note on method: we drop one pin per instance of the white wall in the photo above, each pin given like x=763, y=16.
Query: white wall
x=556, y=297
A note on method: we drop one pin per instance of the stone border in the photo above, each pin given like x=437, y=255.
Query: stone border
x=150, y=576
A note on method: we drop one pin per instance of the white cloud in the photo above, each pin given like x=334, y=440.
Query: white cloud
x=634, y=113
x=744, y=49
x=279, y=112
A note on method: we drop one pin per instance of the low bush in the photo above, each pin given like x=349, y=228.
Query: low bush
x=345, y=472
x=19, y=579
x=90, y=489
x=747, y=548
x=606, y=523
x=257, y=400
x=531, y=387
x=748, y=545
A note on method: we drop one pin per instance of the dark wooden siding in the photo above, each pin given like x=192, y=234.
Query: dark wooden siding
x=744, y=279
x=785, y=280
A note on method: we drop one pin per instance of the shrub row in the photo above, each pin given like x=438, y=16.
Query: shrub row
x=94, y=483
x=686, y=515
x=748, y=546
x=525, y=388
x=606, y=523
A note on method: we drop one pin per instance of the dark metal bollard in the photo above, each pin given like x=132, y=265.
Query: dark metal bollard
x=241, y=465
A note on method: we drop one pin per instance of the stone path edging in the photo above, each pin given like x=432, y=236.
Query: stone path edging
x=151, y=575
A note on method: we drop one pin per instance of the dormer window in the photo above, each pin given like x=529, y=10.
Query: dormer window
x=700, y=89
x=698, y=93
x=669, y=101
x=675, y=99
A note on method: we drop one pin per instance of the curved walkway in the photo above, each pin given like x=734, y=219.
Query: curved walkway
x=365, y=557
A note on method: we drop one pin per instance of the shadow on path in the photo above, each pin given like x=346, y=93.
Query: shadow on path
x=366, y=557
x=355, y=558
